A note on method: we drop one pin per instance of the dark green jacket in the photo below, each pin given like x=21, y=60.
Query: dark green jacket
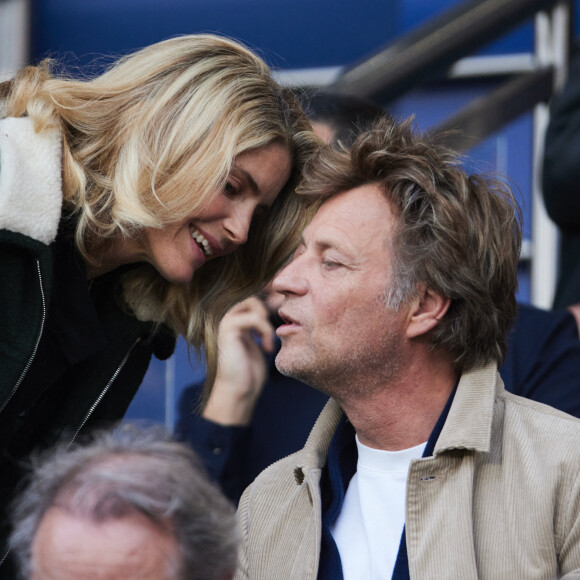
x=107, y=382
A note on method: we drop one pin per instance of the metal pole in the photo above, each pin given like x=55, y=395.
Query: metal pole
x=430, y=49
x=552, y=46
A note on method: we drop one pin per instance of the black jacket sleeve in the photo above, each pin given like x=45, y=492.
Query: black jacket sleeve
x=222, y=449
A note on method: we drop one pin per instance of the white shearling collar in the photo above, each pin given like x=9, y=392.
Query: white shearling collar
x=30, y=179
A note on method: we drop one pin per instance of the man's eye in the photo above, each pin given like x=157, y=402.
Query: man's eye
x=330, y=264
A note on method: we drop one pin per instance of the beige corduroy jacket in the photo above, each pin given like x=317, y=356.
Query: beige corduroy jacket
x=499, y=499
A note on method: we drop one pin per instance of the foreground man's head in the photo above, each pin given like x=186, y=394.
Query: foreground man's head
x=131, y=504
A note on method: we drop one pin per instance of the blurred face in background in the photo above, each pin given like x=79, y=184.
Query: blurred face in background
x=73, y=547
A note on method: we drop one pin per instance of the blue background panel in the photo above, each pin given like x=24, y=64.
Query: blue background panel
x=287, y=33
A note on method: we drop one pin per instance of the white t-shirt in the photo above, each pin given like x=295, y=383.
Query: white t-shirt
x=368, y=528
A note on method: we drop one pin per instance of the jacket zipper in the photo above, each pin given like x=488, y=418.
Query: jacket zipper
x=104, y=392
x=89, y=413
x=31, y=359
x=27, y=367
x=29, y=363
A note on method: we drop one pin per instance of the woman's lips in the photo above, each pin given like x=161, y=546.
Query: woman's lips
x=208, y=245
x=201, y=240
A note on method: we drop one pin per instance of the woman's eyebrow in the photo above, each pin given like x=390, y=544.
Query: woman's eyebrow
x=249, y=178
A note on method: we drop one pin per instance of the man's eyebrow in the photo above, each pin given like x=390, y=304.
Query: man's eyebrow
x=322, y=244
x=319, y=243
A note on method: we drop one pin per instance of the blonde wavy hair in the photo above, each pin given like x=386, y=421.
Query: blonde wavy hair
x=161, y=123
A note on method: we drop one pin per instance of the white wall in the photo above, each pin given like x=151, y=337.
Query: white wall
x=14, y=36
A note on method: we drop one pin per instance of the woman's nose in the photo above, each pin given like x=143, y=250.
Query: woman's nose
x=237, y=225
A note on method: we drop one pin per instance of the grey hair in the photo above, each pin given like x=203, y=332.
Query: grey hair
x=132, y=470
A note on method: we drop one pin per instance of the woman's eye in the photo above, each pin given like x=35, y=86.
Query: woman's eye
x=230, y=189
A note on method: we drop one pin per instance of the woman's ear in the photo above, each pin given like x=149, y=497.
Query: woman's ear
x=427, y=309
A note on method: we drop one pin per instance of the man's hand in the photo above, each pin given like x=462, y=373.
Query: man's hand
x=242, y=368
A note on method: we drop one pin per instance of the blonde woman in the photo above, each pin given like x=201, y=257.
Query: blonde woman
x=135, y=206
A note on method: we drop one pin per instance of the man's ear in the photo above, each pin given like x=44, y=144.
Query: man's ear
x=427, y=309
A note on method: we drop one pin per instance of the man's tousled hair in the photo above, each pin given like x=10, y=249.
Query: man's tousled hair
x=458, y=234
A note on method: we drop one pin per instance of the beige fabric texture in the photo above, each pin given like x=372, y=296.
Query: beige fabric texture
x=499, y=499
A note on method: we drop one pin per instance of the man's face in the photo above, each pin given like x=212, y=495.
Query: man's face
x=337, y=328
x=68, y=547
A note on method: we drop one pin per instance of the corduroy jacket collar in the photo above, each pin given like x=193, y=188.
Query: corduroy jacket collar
x=468, y=425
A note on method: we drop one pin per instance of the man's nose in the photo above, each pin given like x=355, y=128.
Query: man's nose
x=289, y=280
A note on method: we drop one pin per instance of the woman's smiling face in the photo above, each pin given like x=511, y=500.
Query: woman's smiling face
x=177, y=251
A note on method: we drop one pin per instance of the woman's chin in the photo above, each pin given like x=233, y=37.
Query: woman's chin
x=181, y=277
